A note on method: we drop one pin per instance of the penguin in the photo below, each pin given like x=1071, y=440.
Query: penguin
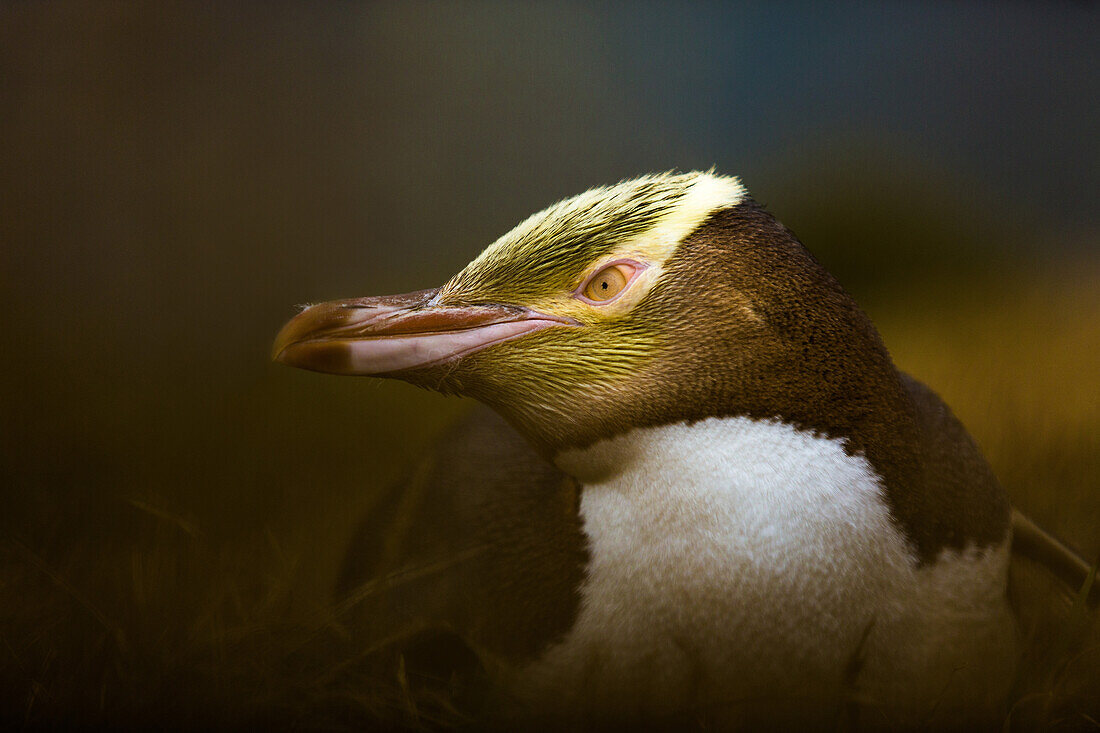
x=701, y=493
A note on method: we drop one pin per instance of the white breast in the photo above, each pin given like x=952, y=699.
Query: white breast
x=744, y=565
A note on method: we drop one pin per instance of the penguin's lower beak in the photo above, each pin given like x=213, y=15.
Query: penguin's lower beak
x=393, y=333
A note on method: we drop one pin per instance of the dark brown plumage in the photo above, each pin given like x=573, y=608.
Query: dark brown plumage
x=482, y=539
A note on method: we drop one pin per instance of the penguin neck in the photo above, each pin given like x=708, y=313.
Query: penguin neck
x=658, y=484
x=652, y=458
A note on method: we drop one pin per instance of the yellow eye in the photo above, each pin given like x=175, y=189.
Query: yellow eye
x=606, y=284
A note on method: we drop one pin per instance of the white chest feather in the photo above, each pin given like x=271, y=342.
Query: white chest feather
x=737, y=561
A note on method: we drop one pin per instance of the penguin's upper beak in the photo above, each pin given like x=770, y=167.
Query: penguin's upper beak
x=392, y=333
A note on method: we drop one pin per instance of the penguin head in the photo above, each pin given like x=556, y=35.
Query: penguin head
x=664, y=298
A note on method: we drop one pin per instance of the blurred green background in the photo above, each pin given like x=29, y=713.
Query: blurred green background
x=175, y=177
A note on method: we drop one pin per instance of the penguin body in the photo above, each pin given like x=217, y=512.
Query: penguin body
x=764, y=590
x=782, y=593
x=712, y=497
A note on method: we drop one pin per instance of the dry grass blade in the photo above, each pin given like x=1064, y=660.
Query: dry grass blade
x=188, y=527
x=31, y=558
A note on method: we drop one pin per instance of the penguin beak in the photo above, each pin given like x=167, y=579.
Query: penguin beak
x=393, y=333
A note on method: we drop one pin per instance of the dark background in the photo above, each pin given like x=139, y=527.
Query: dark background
x=175, y=178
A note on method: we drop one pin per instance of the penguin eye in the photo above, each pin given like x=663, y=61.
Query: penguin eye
x=607, y=283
